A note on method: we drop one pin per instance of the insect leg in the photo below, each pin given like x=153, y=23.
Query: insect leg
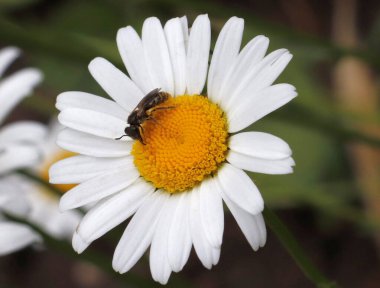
x=154, y=120
x=141, y=131
x=162, y=108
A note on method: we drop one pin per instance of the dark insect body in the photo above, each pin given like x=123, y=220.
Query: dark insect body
x=143, y=112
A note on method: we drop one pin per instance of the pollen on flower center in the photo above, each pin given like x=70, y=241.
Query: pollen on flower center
x=184, y=143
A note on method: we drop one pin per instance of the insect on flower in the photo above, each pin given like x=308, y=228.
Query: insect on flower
x=142, y=112
x=174, y=187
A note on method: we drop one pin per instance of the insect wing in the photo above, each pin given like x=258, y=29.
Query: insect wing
x=145, y=104
x=151, y=99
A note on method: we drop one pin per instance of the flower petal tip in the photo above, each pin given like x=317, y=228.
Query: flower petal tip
x=65, y=203
x=79, y=245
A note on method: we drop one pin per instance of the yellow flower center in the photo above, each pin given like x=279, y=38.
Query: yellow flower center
x=44, y=172
x=184, y=143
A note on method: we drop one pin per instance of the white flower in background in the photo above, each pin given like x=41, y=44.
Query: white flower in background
x=27, y=145
x=174, y=185
x=19, y=148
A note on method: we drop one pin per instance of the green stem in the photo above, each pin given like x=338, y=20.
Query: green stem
x=294, y=249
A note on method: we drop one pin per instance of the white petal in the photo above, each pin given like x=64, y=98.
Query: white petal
x=197, y=54
x=225, y=52
x=49, y=145
x=132, y=52
x=270, y=70
x=240, y=189
x=176, y=44
x=109, y=213
x=261, y=228
x=7, y=56
x=45, y=214
x=80, y=168
x=260, y=145
x=246, y=84
x=8, y=189
x=117, y=85
x=59, y=225
x=18, y=156
x=215, y=255
x=98, y=188
x=202, y=246
x=248, y=58
x=82, y=100
x=3, y=198
x=13, y=198
x=211, y=209
x=90, y=145
x=259, y=165
x=92, y=122
x=247, y=223
x=15, y=236
x=157, y=55
x=179, y=238
x=18, y=206
x=23, y=132
x=79, y=245
x=253, y=107
x=139, y=233
x=15, y=87
x=158, y=256
x=185, y=30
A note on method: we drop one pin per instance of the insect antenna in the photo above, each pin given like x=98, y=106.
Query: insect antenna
x=118, y=138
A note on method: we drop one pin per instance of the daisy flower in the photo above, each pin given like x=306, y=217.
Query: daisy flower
x=19, y=148
x=193, y=158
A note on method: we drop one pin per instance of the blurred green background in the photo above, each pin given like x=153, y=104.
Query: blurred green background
x=332, y=201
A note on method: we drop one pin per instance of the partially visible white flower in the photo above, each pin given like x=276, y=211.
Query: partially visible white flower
x=44, y=204
x=19, y=148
